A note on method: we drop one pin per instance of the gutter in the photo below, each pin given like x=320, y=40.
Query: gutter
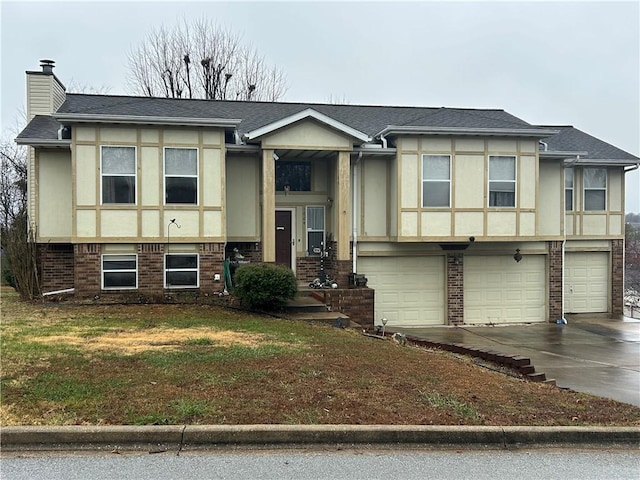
x=43, y=142
x=496, y=132
x=146, y=120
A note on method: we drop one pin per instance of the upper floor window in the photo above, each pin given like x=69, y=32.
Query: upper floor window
x=568, y=189
x=181, y=175
x=293, y=176
x=595, y=188
x=118, y=172
x=502, y=181
x=119, y=271
x=436, y=180
x=315, y=230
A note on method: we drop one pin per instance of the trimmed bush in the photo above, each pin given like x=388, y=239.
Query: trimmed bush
x=264, y=286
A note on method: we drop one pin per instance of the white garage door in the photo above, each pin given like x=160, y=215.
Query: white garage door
x=409, y=291
x=586, y=280
x=499, y=290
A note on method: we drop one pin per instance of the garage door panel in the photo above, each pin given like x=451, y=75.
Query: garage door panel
x=586, y=282
x=499, y=290
x=409, y=291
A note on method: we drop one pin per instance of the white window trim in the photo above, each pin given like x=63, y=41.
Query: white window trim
x=584, y=189
x=197, y=270
x=103, y=271
x=196, y=176
x=515, y=182
x=573, y=191
x=135, y=175
x=425, y=155
x=308, y=230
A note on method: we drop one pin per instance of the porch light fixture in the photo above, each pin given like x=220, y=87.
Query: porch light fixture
x=329, y=201
x=287, y=188
x=518, y=256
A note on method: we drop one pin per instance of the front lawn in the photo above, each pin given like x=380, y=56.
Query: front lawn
x=72, y=364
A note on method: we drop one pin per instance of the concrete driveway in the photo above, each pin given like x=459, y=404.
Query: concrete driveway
x=593, y=355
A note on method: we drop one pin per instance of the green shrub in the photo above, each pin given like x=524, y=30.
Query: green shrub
x=264, y=286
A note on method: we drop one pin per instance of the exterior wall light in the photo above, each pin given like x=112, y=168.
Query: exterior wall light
x=518, y=256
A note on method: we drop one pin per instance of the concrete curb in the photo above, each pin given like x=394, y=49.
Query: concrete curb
x=182, y=437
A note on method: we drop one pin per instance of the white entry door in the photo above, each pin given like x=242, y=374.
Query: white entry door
x=409, y=291
x=586, y=280
x=499, y=290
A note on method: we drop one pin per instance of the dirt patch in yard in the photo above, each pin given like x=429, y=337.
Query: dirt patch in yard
x=132, y=342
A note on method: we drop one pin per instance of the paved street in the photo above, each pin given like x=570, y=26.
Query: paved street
x=331, y=464
x=593, y=355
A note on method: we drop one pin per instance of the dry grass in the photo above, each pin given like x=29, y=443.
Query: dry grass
x=169, y=364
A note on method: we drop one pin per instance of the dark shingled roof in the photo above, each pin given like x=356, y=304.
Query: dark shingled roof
x=368, y=119
x=41, y=127
x=570, y=139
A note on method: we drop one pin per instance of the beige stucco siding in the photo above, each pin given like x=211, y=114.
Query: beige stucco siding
x=551, y=198
x=86, y=172
x=243, y=205
x=374, y=184
x=147, y=217
x=527, y=180
x=54, y=188
x=469, y=213
x=307, y=134
x=469, y=184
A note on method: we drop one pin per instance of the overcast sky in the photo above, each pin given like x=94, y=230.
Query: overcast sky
x=551, y=63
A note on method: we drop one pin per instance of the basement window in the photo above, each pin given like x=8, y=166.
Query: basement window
x=181, y=270
x=119, y=272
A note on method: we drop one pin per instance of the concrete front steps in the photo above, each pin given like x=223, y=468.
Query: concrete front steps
x=308, y=305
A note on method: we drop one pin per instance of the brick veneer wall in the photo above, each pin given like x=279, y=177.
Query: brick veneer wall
x=307, y=268
x=556, y=293
x=56, y=267
x=356, y=303
x=211, y=259
x=455, y=288
x=617, y=277
x=151, y=269
x=87, y=269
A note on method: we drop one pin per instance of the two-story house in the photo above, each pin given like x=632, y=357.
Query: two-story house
x=453, y=215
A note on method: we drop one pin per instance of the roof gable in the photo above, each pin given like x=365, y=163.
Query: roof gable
x=309, y=113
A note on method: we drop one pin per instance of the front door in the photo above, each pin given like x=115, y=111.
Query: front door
x=284, y=238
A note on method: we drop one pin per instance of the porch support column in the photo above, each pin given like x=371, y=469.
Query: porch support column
x=343, y=214
x=268, y=207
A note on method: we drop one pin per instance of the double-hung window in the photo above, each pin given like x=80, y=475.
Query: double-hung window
x=181, y=175
x=315, y=230
x=502, y=181
x=595, y=188
x=568, y=189
x=118, y=172
x=436, y=180
x=119, y=271
x=181, y=270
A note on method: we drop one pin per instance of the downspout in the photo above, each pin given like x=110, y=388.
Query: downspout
x=383, y=140
x=354, y=220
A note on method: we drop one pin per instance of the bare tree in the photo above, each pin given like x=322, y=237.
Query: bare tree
x=19, y=256
x=202, y=60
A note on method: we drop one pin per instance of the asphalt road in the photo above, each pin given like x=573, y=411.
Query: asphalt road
x=583, y=464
